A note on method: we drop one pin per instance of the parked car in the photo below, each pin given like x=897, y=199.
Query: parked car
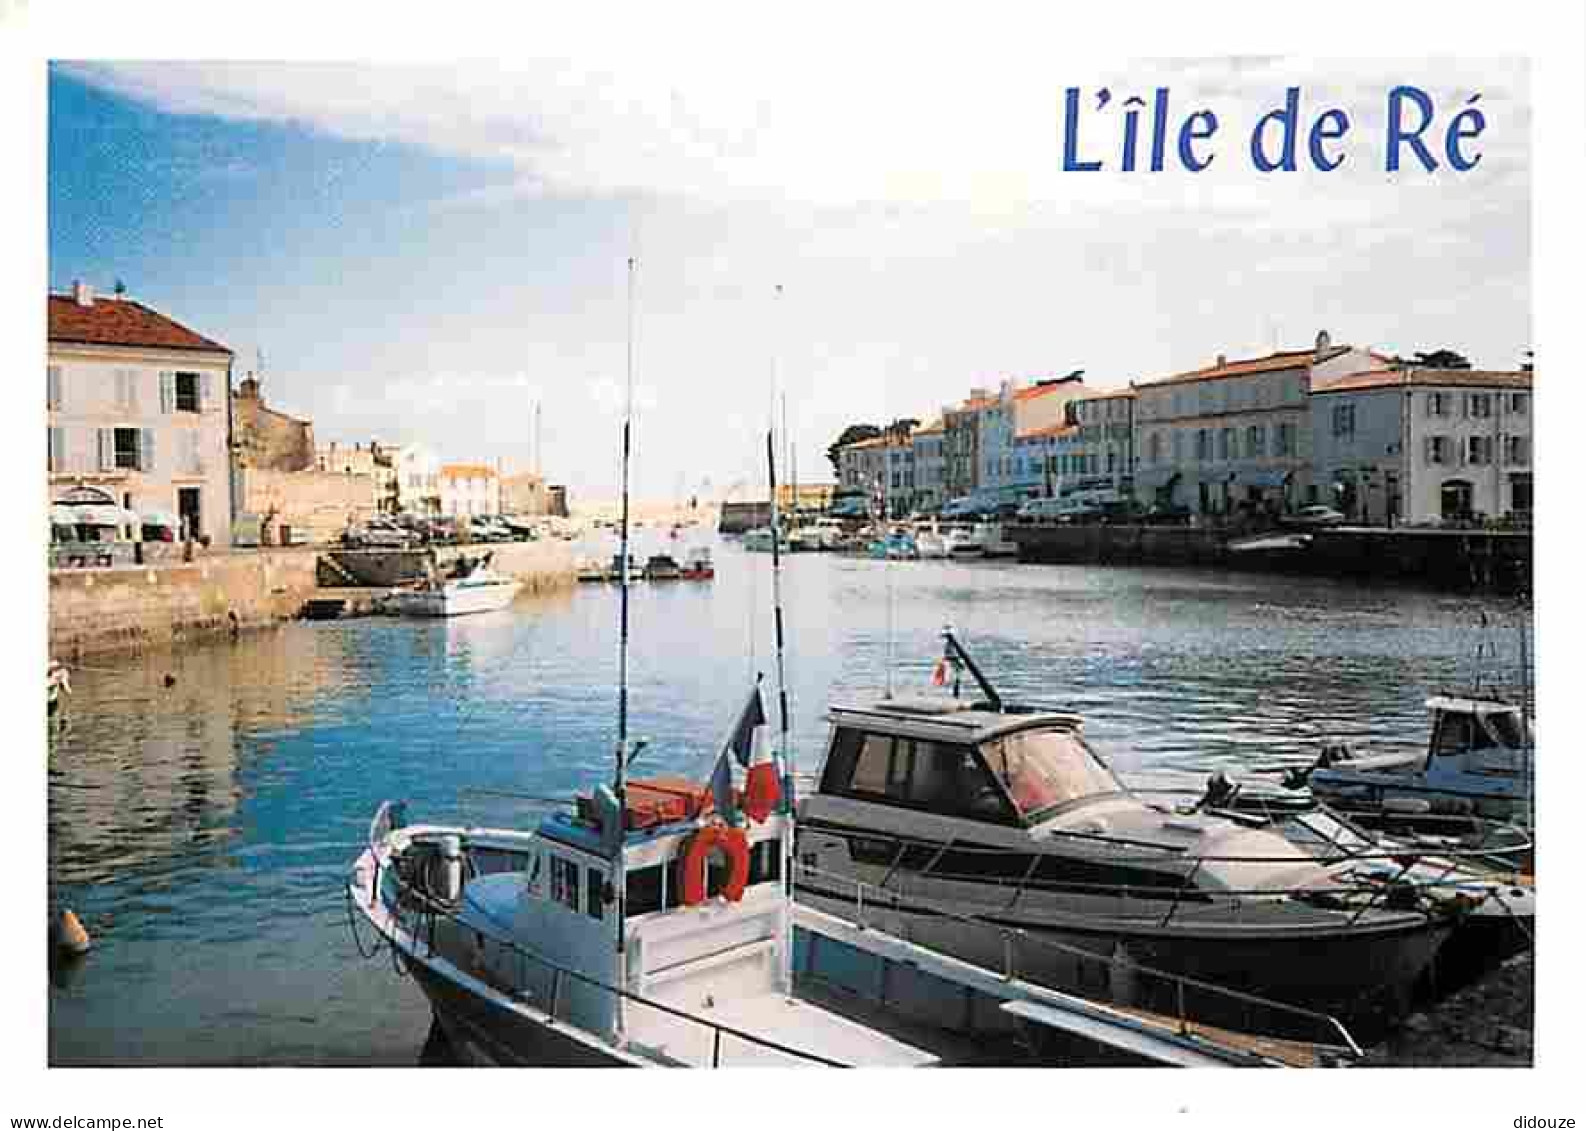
x=1315, y=516
x=483, y=529
x=379, y=532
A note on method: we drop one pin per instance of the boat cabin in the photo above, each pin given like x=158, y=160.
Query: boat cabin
x=945, y=757
x=1476, y=736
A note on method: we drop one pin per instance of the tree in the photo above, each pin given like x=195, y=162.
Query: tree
x=1436, y=359
x=851, y=435
x=901, y=427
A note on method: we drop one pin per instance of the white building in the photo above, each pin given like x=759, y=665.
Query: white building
x=138, y=407
x=418, y=474
x=1236, y=434
x=469, y=489
x=1421, y=446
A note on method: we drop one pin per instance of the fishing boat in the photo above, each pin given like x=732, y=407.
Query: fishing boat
x=1007, y=813
x=652, y=924
x=662, y=567
x=1477, y=761
x=697, y=565
x=469, y=586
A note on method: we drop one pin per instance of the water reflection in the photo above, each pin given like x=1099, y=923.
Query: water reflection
x=203, y=829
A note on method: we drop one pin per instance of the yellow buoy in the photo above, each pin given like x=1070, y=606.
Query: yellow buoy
x=73, y=938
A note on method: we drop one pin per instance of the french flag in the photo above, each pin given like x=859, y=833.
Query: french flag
x=763, y=789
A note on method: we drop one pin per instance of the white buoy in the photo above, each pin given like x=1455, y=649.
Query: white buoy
x=73, y=938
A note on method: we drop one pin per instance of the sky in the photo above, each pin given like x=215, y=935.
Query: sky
x=426, y=252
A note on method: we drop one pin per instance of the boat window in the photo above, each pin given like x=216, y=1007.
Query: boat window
x=1507, y=729
x=915, y=773
x=1043, y=769
x=1454, y=734
x=594, y=904
x=644, y=891
x=765, y=862
x=564, y=882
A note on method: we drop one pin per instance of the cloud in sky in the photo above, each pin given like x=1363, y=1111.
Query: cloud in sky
x=913, y=205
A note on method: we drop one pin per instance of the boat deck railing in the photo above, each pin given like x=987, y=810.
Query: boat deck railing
x=533, y=980
x=1185, y=1000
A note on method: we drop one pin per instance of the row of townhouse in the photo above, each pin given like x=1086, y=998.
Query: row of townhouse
x=141, y=415
x=1332, y=424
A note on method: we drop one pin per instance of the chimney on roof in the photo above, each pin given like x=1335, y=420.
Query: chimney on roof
x=1222, y=360
x=82, y=293
x=1323, y=340
x=978, y=394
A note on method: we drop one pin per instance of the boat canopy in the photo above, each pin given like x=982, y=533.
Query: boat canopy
x=967, y=763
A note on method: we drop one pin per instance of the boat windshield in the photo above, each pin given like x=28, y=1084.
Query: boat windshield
x=1043, y=769
x=1507, y=728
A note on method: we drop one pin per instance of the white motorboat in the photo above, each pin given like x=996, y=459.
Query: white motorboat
x=1008, y=814
x=758, y=540
x=994, y=542
x=930, y=542
x=470, y=586
x=962, y=542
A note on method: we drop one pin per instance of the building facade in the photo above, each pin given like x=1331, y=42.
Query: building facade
x=1236, y=435
x=1423, y=446
x=417, y=471
x=930, y=466
x=468, y=489
x=137, y=406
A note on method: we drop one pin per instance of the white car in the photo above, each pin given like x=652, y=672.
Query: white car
x=1315, y=516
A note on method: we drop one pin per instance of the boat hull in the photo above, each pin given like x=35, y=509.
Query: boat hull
x=453, y=602
x=1363, y=975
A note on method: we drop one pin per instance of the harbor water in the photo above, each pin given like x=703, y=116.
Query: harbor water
x=205, y=805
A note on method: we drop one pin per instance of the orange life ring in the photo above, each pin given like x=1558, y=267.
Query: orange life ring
x=734, y=844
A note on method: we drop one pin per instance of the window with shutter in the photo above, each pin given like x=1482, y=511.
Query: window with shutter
x=52, y=386
x=57, y=459
x=107, y=449
x=167, y=391
x=146, y=449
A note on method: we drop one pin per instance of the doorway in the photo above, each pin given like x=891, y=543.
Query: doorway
x=188, y=511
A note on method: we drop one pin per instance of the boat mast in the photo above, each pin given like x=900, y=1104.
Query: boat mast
x=784, y=743
x=620, y=785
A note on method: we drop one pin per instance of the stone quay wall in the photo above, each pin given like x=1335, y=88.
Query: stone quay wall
x=132, y=608
x=1477, y=560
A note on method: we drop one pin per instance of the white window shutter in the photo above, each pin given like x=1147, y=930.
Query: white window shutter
x=146, y=449
x=205, y=390
x=107, y=449
x=55, y=446
x=167, y=391
x=52, y=385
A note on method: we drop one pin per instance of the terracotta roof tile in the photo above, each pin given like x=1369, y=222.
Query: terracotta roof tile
x=1426, y=378
x=121, y=322
x=1049, y=430
x=1283, y=359
x=467, y=471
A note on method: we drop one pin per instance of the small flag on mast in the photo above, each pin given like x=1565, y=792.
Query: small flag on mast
x=742, y=746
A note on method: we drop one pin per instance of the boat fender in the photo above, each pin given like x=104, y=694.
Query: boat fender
x=446, y=874
x=696, y=856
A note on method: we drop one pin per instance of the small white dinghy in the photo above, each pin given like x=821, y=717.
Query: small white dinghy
x=471, y=587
